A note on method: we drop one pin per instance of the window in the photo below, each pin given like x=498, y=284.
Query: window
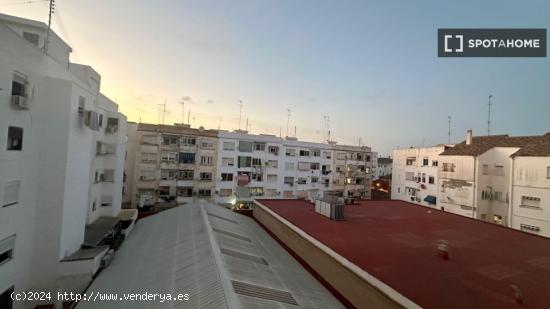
x=273, y=150
x=187, y=158
x=205, y=192
x=169, y=156
x=6, y=300
x=327, y=155
x=368, y=158
x=341, y=156
x=169, y=140
x=256, y=191
x=530, y=202
x=256, y=162
x=423, y=178
x=272, y=178
x=302, y=180
x=7, y=246
x=259, y=146
x=32, y=38
x=11, y=193
x=229, y=146
x=148, y=157
x=304, y=153
x=315, y=166
x=529, y=228
x=206, y=176
x=410, y=161
x=94, y=205
x=244, y=162
x=314, y=179
x=499, y=170
x=271, y=192
x=226, y=192
x=485, y=169
x=257, y=177
x=434, y=162
x=289, y=166
x=188, y=140
x=273, y=163
x=316, y=152
x=245, y=146
x=206, y=160
x=19, y=85
x=304, y=166
x=449, y=167
x=227, y=176
x=207, y=144
x=100, y=122
x=431, y=180
x=168, y=174
x=228, y=161
x=147, y=175
x=497, y=196
x=290, y=152
x=425, y=162
x=15, y=138
x=185, y=175
x=325, y=169
x=185, y=191
x=289, y=180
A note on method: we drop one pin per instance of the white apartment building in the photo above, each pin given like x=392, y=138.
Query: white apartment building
x=251, y=166
x=478, y=177
x=530, y=193
x=62, y=146
x=167, y=165
x=415, y=175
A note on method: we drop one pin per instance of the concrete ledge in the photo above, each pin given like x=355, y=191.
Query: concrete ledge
x=358, y=287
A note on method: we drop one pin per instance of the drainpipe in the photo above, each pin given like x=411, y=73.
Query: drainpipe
x=474, y=211
x=511, y=198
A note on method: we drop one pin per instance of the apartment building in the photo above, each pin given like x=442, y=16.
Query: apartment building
x=352, y=171
x=167, y=165
x=252, y=166
x=415, y=175
x=382, y=167
x=62, y=146
x=530, y=193
x=476, y=177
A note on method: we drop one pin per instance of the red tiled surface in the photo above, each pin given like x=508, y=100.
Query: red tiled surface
x=397, y=243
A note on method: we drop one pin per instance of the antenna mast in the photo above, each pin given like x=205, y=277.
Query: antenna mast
x=489, y=116
x=287, y=120
x=240, y=112
x=51, y=11
x=449, y=133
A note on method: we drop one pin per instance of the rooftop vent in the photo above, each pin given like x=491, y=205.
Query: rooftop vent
x=244, y=256
x=263, y=293
x=230, y=234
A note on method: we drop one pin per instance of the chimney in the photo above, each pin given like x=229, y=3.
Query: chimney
x=469, y=137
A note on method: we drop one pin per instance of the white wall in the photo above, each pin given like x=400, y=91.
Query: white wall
x=531, y=179
x=400, y=169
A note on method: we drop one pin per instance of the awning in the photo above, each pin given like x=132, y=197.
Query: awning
x=97, y=230
x=430, y=199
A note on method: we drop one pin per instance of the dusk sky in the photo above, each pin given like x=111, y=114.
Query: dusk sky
x=371, y=66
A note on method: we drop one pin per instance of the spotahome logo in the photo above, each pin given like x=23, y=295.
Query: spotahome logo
x=491, y=42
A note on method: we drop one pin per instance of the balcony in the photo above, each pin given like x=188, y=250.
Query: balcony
x=105, y=149
x=112, y=126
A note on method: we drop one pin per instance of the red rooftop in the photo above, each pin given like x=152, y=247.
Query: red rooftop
x=397, y=243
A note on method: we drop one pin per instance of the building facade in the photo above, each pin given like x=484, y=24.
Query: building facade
x=382, y=168
x=415, y=175
x=167, y=165
x=61, y=161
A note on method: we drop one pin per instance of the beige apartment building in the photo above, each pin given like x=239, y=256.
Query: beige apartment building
x=351, y=176
x=167, y=165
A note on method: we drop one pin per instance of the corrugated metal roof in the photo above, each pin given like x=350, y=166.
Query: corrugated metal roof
x=179, y=251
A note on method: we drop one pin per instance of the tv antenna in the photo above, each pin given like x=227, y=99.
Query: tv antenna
x=287, y=120
x=489, y=115
x=51, y=11
x=449, y=132
x=240, y=112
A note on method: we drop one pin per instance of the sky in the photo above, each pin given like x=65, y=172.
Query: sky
x=370, y=66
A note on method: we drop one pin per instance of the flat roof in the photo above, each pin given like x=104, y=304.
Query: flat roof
x=220, y=258
x=396, y=242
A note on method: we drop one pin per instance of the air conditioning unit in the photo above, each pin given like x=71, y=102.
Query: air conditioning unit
x=20, y=102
